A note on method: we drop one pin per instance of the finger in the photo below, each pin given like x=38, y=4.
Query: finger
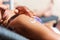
x=24, y=10
x=16, y=11
x=28, y=11
x=0, y=18
x=3, y=7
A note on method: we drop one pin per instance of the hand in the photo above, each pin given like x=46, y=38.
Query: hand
x=7, y=15
x=2, y=10
x=24, y=10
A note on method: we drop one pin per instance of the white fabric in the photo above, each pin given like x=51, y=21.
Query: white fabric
x=56, y=30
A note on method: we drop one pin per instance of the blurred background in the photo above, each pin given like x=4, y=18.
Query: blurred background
x=34, y=4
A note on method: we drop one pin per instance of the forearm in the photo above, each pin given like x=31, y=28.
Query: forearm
x=32, y=30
